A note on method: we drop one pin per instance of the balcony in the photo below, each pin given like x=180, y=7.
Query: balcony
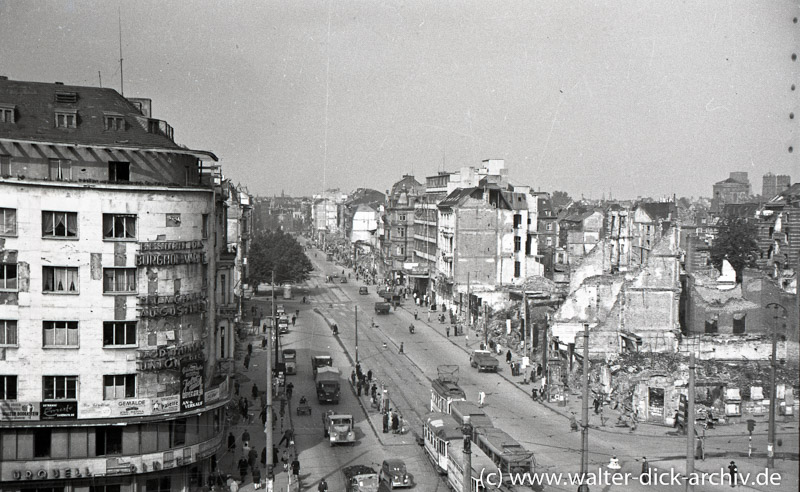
x=228, y=254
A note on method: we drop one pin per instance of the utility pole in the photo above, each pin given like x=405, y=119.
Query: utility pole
x=486, y=325
x=525, y=323
x=469, y=306
x=467, y=430
x=356, y=334
x=585, y=408
x=690, y=445
x=268, y=424
x=773, y=390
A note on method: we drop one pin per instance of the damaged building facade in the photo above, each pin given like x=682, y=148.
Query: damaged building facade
x=109, y=344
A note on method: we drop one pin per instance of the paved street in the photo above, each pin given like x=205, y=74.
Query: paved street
x=508, y=402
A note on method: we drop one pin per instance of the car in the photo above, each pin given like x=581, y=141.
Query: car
x=283, y=325
x=363, y=290
x=344, y=280
x=394, y=473
x=280, y=310
x=360, y=478
x=483, y=360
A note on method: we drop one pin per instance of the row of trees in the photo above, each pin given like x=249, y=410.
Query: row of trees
x=279, y=252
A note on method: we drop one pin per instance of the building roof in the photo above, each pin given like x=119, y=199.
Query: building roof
x=740, y=210
x=660, y=210
x=789, y=194
x=731, y=181
x=407, y=183
x=459, y=195
x=36, y=103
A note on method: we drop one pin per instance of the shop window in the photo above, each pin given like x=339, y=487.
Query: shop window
x=119, y=280
x=59, y=224
x=108, y=441
x=42, y=439
x=8, y=276
x=8, y=333
x=119, y=226
x=60, y=387
x=8, y=387
x=8, y=222
x=60, y=334
x=178, y=431
x=161, y=484
x=119, y=386
x=60, y=279
x=119, y=333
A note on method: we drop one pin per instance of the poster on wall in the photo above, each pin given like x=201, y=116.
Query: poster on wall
x=14, y=410
x=58, y=410
x=166, y=404
x=191, y=385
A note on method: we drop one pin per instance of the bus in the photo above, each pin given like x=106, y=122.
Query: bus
x=439, y=430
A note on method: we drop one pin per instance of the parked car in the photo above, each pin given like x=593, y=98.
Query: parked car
x=344, y=280
x=360, y=478
x=363, y=290
x=394, y=473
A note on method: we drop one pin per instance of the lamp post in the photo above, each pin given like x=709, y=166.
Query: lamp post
x=775, y=307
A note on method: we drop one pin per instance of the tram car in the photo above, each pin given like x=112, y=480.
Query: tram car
x=477, y=417
x=481, y=465
x=509, y=455
x=444, y=391
x=439, y=431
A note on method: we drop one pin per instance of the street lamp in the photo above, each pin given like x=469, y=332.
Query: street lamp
x=775, y=307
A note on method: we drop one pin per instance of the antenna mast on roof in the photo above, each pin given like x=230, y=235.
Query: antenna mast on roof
x=121, y=78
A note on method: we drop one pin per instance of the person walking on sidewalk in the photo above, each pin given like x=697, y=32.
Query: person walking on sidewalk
x=245, y=438
x=508, y=357
x=385, y=422
x=249, y=348
x=481, y=399
x=296, y=467
x=573, y=423
x=247, y=361
x=447, y=331
x=323, y=486
x=256, y=475
x=252, y=459
x=369, y=375
x=255, y=391
x=231, y=442
x=243, y=469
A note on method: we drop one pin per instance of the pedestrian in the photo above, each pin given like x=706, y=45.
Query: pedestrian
x=596, y=404
x=256, y=476
x=246, y=450
x=602, y=418
x=264, y=456
x=447, y=331
x=296, y=467
x=247, y=361
x=358, y=386
x=289, y=390
x=296, y=313
x=573, y=423
x=252, y=459
x=285, y=459
x=401, y=347
x=234, y=486
x=236, y=388
x=245, y=438
x=634, y=420
x=353, y=377
x=385, y=422
x=274, y=455
x=481, y=399
x=287, y=436
x=323, y=486
x=249, y=348
x=231, y=442
x=644, y=477
x=294, y=318
x=264, y=340
x=254, y=391
x=369, y=375
x=416, y=314
x=243, y=469
x=732, y=469
x=395, y=422
x=359, y=372
x=263, y=415
x=374, y=390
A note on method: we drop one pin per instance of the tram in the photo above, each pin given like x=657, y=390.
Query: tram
x=439, y=430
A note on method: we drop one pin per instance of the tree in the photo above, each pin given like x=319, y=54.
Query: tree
x=737, y=243
x=560, y=200
x=279, y=252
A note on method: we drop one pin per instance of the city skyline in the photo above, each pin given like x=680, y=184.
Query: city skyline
x=627, y=100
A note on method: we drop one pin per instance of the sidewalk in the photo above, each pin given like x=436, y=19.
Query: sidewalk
x=255, y=374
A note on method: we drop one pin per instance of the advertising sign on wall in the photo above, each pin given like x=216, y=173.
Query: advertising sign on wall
x=191, y=385
x=58, y=410
x=166, y=404
x=114, y=408
x=15, y=410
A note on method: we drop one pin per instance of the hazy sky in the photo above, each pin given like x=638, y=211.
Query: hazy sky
x=635, y=97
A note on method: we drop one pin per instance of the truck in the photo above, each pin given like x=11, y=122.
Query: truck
x=328, y=384
x=382, y=307
x=338, y=427
x=484, y=361
x=290, y=359
x=320, y=361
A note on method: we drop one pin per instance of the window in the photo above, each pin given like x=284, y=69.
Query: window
x=8, y=387
x=7, y=113
x=402, y=217
x=119, y=333
x=739, y=323
x=60, y=169
x=60, y=333
x=517, y=270
x=178, y=431
x=8, y=333
x=104, y=488
x=5, y=165
x=8, y=276
x=711, y=326
x=108, y=440
x=8, y=222
x=119, y=280
x=401, y=232
x=549, y=241
x=162, y=484
x=119, y=226
x=517, y=221
x=549, y=226
x=517, y=244
x=205, y=226
x=41, y=443
x=66, y=118
x=59, y=224
x=60, y=279
x=119, y=386
x=119, y=171
x=114, y=122
x=60, y=387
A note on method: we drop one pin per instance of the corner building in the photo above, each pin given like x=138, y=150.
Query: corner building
x=109, y=361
